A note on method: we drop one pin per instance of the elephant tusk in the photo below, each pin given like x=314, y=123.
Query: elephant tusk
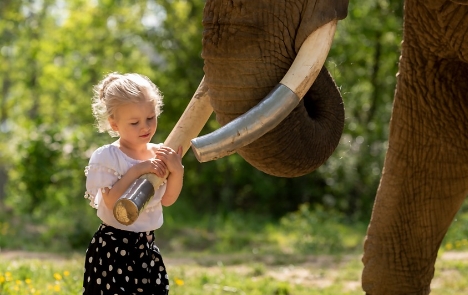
x=248, y=127
x=310, y=59
x=192, y=121
x=276, y=106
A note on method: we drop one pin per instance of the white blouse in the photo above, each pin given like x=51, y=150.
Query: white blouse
x=107, y=165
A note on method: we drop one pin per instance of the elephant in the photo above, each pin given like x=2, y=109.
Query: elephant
x=248, y=49
x=425, y=176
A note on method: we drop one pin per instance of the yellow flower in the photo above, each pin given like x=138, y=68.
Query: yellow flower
x=2, y=279
x=179, y=282
x=28, y=281
x=449, y=246
x=57, y=288
x=18, y=282
x=57, y=276
x=66, y=273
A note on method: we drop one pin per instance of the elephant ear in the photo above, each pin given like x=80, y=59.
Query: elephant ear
x=317, y=13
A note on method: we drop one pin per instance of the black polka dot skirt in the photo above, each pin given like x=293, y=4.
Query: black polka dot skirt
x=123, y=262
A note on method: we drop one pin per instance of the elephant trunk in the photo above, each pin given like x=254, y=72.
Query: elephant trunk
x=306, y=138
x=244, y=61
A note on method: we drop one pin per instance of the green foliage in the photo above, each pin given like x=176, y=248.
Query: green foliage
x=310, y=230
x=53, y=52
x=319, y=231
x=457, y=235
x=364, y=62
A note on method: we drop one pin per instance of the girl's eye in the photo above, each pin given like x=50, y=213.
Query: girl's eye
x=150, y=118
x=134, y=123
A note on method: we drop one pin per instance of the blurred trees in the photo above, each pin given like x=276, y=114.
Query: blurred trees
x=52, y=53
x=364, y=62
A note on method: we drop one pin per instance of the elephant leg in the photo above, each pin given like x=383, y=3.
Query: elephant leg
x=424, y=180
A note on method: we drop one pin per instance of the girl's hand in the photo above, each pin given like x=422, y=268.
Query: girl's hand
x=171, y=159
x=155, y=166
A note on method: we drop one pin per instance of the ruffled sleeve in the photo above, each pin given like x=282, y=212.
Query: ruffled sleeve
x=102, y=172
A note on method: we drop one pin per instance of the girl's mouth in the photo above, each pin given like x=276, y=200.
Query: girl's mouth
x=144, y=135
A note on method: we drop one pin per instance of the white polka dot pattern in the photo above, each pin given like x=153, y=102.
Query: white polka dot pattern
x=134, y=267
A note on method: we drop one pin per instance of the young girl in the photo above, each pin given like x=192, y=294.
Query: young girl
x=124, y=259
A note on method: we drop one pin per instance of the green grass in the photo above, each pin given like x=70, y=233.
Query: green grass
x=307, y=252
x=63, y=275
x=52, y=275
x=307, y=231
x=223, y=274
x=451, y=276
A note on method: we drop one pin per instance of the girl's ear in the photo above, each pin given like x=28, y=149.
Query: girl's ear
x=113, y=124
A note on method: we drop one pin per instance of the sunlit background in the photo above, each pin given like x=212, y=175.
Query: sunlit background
x=52, y=52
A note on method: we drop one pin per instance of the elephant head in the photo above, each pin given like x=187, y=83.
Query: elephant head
x=248, y=49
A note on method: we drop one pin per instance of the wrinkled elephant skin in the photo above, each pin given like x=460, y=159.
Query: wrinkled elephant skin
x=248, y=46
x=425, y=176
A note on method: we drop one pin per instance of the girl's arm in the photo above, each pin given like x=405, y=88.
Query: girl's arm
x=173, y=188
x=112, y=195
x=173, y=162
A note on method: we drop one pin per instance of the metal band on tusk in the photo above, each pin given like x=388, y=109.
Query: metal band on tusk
x=128, y=207
x=246, y=128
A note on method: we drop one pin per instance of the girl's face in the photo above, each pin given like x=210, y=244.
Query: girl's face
x=135, y=122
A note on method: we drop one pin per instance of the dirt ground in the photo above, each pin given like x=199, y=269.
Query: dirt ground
x=314, y=271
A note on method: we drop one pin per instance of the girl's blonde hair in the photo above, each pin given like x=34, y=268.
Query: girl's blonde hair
x=120, y=89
